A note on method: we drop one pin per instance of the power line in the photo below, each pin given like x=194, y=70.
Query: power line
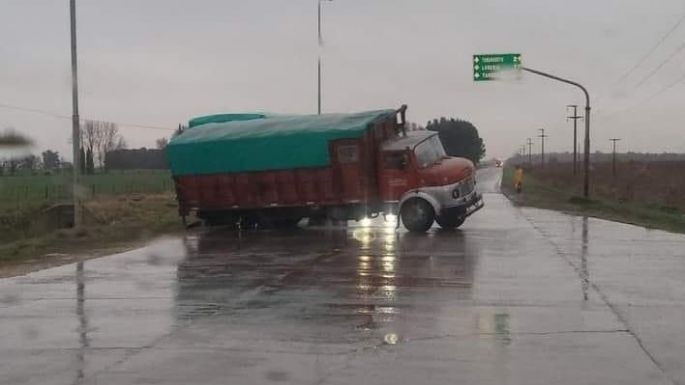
x=645, y=100
x=34, y=110
x=663, y=63
x=60, y=116
x=651, y=50
x=667, y=87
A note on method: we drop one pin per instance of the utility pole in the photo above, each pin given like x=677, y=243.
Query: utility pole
x=575, y=118
x=543, y=136
x=613, y=155
x=586, y=160
x=530, y=151
x=75, y=120
x=318, y=98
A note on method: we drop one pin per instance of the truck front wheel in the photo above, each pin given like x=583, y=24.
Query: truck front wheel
x=417, y=215
x=450, y=221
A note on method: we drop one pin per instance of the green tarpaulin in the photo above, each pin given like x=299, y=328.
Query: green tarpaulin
x=223, y=118
x=266, y=143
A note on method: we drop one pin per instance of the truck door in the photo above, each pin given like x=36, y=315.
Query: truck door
x=394, y=171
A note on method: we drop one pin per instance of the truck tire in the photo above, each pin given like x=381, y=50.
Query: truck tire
x=417, y=215
x=451, y=221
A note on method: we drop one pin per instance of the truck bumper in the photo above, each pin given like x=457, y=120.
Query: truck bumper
x=473, y=204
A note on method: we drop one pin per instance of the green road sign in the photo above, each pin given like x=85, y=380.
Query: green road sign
x=486, y=66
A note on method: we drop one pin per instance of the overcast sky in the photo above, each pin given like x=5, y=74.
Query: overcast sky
x=161, y=62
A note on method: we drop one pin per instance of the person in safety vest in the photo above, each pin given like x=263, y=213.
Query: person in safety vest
x=518, y=179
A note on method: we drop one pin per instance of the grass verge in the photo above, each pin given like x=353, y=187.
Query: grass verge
x=112, y=224
x=541, y=194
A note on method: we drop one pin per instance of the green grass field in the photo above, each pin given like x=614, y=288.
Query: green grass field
x=119, y=208
x=36, y=190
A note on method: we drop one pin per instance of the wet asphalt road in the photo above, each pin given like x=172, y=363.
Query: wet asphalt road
x=517, y=296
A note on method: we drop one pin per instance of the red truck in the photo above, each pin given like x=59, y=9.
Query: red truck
x=277, y=169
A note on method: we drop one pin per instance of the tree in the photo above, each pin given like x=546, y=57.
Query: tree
x=82, y=161
x=50, y=160
x=90, y=165
x=162, y=143
x=92, y=137
x=121, y=144
x=100, y=137
x=459, y=137
x=28, y=162
x=12, y=165
x=109, y=140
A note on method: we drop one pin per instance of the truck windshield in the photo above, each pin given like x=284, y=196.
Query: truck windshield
x=429, y=152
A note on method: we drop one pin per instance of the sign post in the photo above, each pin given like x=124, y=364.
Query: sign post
x=486, y=67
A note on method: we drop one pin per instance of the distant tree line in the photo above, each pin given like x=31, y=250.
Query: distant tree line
x=142, y=158
x=49, y=161
x=102, y=148
x=459, y=137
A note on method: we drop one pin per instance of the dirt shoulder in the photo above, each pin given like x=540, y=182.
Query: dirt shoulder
x=113, y=224
x=541, y=193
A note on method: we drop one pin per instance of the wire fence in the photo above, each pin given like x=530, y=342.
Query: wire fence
x=30, y=190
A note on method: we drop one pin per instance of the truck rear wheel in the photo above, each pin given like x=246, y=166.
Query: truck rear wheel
x=450, y=221
x=417, y=215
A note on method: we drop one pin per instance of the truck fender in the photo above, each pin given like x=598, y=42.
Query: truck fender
x=421, y=195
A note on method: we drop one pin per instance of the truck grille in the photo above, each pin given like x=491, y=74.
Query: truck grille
x=466, y=188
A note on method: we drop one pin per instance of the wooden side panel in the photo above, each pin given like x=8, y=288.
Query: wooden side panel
x=324, y=182
x=307, y=185
x=243, y=188
x=227, y=195
x=287, y=188
x=267, y=191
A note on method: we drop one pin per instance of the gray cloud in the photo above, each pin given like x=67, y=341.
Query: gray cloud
x=160, y=62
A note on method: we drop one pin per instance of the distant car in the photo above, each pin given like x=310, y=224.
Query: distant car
x=498, y=163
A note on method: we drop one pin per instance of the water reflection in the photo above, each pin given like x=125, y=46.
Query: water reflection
x=84, y=342
x=364, y=278
x=584, y=273
x=502, y=330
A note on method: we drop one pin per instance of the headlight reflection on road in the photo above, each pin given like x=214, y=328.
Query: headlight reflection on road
x=390, y=222
x=365, y=236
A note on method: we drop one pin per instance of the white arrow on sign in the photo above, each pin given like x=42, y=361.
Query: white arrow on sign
x=476, y=75
x=476, y=67
x=475, y=59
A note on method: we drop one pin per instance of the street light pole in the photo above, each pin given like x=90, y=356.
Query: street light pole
x=530, y=151
x=613, y=155
x=543, y=136
x=575, y=118
x=586, y=161
x=318, y=98
x=75, y=120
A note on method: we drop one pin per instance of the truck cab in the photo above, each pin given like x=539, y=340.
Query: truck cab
x=423, y=184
